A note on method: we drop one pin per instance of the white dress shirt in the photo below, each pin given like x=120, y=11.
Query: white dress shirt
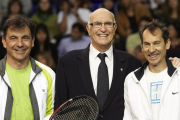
x=94, y=62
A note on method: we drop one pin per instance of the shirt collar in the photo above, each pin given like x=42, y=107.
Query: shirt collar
x=94, y=52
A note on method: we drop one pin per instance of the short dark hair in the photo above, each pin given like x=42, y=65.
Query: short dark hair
x=152, y=26
x=79, y=26
x=18, y=22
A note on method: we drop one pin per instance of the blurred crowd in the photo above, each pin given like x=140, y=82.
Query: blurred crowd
x=62, y=24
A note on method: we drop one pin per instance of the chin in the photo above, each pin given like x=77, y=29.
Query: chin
x=153, y=63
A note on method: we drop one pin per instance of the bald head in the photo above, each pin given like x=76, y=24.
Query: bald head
x=101, y=11
x=101, y=27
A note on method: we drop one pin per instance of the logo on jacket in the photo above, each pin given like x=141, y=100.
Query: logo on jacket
x=44, y=90
x=174, y=93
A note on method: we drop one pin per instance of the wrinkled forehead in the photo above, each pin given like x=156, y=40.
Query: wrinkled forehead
x=155, y=32
x=18, y=31
x=15, y=28
x=101, y=16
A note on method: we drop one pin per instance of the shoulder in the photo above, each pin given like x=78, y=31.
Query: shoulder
x=131, y=77
x=128, y=59
x=45, y=68
x=70, y=59
x=126, y=55
x=71, y=55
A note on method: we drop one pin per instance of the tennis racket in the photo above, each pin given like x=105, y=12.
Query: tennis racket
x=77, y=108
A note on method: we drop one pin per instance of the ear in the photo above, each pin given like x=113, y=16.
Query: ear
x=88, y=29
x=168, y=44
x=33, y=42
x=115, y=27
x=4, y=42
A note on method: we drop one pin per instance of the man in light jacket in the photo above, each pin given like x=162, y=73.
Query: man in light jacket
x=152, y=92
x=26, y=85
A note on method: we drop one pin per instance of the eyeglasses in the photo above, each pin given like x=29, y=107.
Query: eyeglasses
x=99, y=24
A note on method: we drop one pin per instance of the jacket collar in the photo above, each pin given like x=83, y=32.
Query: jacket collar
x=140, y=72
x=35, y=67
x=84, y=70
x=2, y=66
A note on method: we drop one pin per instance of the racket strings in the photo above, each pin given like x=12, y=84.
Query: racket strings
x=78, y=109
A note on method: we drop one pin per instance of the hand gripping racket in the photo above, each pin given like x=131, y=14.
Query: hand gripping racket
x=77, y=108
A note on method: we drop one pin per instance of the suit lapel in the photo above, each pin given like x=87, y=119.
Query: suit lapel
x=118, y=78
x=84, y=71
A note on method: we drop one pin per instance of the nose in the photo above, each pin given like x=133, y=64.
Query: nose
x=19, y=43
x=103, y=28
x=151, y=48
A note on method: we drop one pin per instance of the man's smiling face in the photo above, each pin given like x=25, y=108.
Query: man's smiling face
x=18, y=44
x=154, y=47
x=101, y=36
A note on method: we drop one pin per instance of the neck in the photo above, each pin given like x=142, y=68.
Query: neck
x=102, y=49
x=18, y=65
x=158, y=68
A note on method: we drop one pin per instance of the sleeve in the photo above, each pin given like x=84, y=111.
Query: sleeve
x=61, y=87
x=50, y=95
x=127, y=111
x=135, y=63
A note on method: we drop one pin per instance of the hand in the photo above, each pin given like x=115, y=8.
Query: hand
x=175, y=61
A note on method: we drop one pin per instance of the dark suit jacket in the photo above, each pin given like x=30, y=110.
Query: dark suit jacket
x=73, y=78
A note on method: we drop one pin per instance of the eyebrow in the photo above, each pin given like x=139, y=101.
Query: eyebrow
x=153, y=41
x=13, y=36
x=25, y=36
x=101, y=22
x=21, y=37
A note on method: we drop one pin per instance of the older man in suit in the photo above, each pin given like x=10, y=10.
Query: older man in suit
x=98, y=71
